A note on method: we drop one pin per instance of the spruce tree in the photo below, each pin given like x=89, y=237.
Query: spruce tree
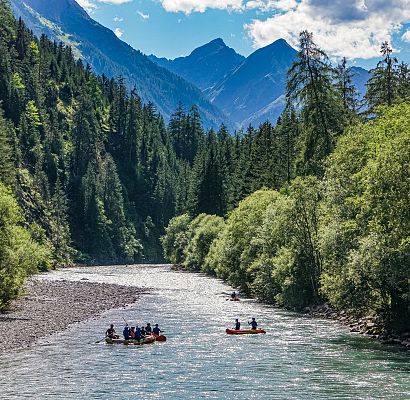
x=382, y=87
x=310, y=88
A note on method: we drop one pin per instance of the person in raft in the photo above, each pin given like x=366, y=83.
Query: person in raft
x=137, y=333
x=253, y=323
x=156, y=330
x=132, y=333
x=233, y=295
x=110, y=332
x=148, y=329
x=126, y=332
x=143, y=333
x=237, y=325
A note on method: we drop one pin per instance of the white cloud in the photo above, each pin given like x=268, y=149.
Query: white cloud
x=142, y=15
x=88, y=5
x=118, y=19
x=189, y=6
x=269, y=5
x=406, y=36
x=118, y=32
x=116, y=2
x=351, y=28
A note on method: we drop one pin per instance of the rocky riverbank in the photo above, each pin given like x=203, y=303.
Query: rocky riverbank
x=369, y=326
x=52, y=306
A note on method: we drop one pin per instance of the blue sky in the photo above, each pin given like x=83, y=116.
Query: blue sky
x=171, y=28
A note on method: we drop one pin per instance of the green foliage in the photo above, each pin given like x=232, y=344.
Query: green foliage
x=231, y=255
x=20, y=253
x=7, y=174
x=365, y=223
x=288, y=262
x=175, y=239
x=96, y=175
x=202, y=231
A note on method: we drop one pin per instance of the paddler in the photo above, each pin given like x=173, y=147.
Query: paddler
x=233, y=295
x=156, y=330
x=110, y=332
x=237, y=325
x=132, y=333
x=137, y=333
x=253, y=323
x=126, y=332
x=148, y=329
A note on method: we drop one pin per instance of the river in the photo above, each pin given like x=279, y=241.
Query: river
x=299, y=358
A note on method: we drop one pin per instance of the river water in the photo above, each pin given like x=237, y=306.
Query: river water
x=299, y=357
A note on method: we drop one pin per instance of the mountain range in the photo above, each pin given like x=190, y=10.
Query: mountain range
x=66, y=21
x=205, y=65
x=248, y=90
x=227, y=87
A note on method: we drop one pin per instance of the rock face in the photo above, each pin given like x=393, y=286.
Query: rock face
x=206, y=65
x=66, y=21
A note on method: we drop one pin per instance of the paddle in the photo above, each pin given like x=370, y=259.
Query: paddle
x=99, y=341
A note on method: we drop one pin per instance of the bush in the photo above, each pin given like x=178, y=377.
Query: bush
x=176, y=239
x=202, y=231
x=20, y=254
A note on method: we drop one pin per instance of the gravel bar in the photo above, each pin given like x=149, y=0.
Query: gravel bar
x=52, y=306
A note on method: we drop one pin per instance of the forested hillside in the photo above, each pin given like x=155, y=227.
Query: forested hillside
x=91, y=174
x=332, y=223
x=98, y=46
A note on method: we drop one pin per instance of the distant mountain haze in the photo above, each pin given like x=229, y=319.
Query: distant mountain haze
x=66, y=21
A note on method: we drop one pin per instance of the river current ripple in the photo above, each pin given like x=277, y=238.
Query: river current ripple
x=299, y=358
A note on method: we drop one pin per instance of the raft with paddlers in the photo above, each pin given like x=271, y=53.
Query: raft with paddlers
x=244, y=331
x=145, y=340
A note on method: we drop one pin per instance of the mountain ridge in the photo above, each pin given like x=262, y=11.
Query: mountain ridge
x=259, y=81
x=205, y=65
x=66, y=21
x=254, y=90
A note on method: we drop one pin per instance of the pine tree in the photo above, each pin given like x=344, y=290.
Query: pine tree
x=7, y=173
x=382, y=87
x=346, y=89
x=310, y=88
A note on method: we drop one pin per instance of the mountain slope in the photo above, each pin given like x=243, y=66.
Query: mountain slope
x=255, y=90
x=66, y=21
x=251, y=90
x=360, y=76
x=206, y=65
